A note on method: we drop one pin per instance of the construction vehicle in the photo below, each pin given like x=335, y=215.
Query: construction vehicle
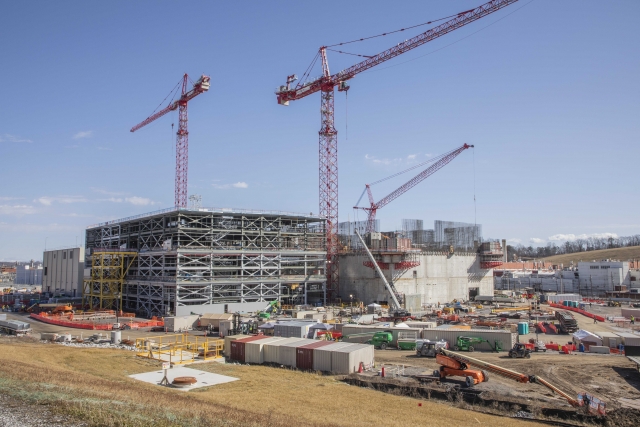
x=593, y=404
x=272, y=308
x=568, y=323
x=466, y=344
x=520, y=350
x=451, y=367
x=428, y=348
x=613, y=304
x=381, y=340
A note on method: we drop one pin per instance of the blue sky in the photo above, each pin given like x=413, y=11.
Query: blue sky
x=549, y=95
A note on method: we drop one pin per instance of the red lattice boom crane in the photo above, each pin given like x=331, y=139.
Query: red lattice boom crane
x=182, y=138
x=328, y=147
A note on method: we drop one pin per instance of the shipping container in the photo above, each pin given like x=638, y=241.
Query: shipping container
x=292, y=329
x=214, y=319
x=322, y=356
x=610, y=339
x=238, y=347
x=254, y=350
x=421, y=325
x=227, y=343
x=3, y=316
x=180, y=323
x=361, y=333
x=287, y=352
x=270, y=349
x=557, y=299
x=346, y=360
x=506, y=339
x=628, y=312
x=225, y=327
x=304, y=354
x=629, y=339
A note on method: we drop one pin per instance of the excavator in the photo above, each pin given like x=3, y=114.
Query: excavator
x=456, y=364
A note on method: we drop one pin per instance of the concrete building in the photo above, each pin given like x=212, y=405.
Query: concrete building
x=63, y=271
x=29, y=273
x=604, y=276
x=206, y=260
x=424, y=277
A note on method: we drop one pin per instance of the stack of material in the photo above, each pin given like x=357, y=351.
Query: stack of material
x=567, y=321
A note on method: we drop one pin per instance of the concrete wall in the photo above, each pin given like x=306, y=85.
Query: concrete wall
x=63, y=271
x=249, y=307
x=438, y=278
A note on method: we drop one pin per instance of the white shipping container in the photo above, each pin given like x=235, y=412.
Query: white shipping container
x=322, y=356
x=287, y=352
x=346, y=360
x=506, y=339
x=629, y=339
x=292, y=329
x=271, y=349
x=180, y=323
x=253, y=350
x=225, y=327
x=557, y=299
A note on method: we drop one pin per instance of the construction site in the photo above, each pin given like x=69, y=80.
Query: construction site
x=195, y=315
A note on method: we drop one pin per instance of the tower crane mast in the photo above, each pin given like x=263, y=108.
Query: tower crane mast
x=182, y=136
x=328, y=135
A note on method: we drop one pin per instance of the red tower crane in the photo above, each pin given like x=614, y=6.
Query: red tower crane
x=326, y=84
x=182, y=138
x=439, y=162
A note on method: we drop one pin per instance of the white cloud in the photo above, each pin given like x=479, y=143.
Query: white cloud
x=13, y=138
x=513, y=240
x=83, y=134
x=536, y=240
x=34, y=228
x=385, y=161
x=16, y=210
x=571, y=237
x=139, y=201
x=104, y=148
x=411, y=156
x=239, y=184
x=48, y=201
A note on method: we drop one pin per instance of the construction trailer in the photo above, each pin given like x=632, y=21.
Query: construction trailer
x=185, y=261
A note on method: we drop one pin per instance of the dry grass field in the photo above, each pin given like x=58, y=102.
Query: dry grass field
x=93, y=385
x=622, y=254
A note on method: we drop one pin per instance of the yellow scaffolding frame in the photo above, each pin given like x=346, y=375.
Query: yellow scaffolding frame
x=180, y=348
x=103, y=291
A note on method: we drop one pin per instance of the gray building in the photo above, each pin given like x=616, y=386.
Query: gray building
x=29, y=273
x=63, y=271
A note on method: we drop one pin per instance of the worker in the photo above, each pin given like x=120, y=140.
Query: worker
x=633, y=320
x=595, y=320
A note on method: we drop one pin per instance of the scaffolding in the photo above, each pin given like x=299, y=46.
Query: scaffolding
x=190, y=258
x=104, y=289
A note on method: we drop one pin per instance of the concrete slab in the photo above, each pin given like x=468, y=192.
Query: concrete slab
x=205, y=379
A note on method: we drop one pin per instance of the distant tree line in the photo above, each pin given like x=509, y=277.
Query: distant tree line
x=572, y=246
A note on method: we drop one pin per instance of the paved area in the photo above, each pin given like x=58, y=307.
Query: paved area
x=205, y=379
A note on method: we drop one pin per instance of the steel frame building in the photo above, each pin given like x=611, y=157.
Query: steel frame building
x=215, y=259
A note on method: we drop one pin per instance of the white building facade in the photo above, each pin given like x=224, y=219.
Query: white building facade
x=63, y=271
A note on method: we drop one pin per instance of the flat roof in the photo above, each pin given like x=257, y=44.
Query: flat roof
x=228, y=211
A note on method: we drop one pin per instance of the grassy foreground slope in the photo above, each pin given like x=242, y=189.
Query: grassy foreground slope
x=622, y=254
x=93, y=385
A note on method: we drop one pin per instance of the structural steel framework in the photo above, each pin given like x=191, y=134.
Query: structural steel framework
x=189, y=258
x=105, y=287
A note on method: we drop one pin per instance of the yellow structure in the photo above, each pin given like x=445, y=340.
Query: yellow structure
x=103, y=291
x=180, y=348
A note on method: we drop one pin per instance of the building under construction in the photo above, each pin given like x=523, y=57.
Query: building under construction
x=180, y=261
x=426, y=266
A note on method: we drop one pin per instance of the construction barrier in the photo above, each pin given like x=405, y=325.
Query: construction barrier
x=68, y=324
x=577, y=310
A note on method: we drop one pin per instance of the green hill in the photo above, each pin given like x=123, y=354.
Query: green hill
x=622, y=254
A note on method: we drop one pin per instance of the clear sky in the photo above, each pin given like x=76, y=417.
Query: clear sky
x=548, y=93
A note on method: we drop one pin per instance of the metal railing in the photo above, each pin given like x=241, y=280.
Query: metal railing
x=211, y=210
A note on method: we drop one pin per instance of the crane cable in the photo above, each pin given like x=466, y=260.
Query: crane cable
x=475, y=208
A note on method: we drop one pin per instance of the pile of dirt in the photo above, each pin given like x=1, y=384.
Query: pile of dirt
x=623, y=417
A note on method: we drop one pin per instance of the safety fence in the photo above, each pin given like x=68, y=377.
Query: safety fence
x=578, y=310
x=68, y=324
x=180, y=348
x=67, y=321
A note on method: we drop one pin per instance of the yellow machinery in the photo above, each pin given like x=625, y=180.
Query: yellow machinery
x=103, y=291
